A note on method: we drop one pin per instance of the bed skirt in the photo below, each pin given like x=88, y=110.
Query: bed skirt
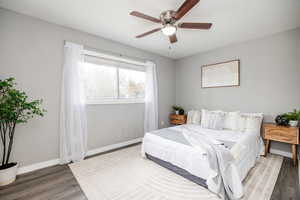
x=178, y=170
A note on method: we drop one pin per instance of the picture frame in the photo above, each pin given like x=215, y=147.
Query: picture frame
x=222, y=74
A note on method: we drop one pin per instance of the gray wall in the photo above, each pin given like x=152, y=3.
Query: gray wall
x=31, y=50
x=270, y=78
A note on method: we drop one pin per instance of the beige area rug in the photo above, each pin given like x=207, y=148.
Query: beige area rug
x=125, y=175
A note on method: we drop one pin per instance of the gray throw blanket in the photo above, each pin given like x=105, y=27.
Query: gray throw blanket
x=225, y=180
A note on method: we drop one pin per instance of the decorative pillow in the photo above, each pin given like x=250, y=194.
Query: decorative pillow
x=189, y=119
x=253, y=124
x=231, y=120
x=241, y=123
x=253, y=114
x=212, y=119
x=193, y=117
x=250, y=122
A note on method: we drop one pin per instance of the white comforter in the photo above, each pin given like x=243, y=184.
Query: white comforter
x=247, y=148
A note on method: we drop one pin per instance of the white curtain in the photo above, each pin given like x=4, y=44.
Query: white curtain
x=151, y=98
x=73, y=123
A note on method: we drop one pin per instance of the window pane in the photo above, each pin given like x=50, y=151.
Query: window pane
x=100, y=82
x=132, y=83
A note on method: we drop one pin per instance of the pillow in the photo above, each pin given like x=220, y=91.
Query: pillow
x=250, y=122
x=212, y=119
x=253, y=124
x=253, y=114
x=189, y=119
x=241, y=123
x=193, y=117
x=231, y=120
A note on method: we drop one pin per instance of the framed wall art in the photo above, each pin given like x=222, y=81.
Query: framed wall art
x=223, y=74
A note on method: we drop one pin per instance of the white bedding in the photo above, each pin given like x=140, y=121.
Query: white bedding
x=247, y=146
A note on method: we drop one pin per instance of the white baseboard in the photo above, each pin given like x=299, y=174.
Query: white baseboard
x=53, y=162
x=282, y=153
x=41, y=165
x=113, y=146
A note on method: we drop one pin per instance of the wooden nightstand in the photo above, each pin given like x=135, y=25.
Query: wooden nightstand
x=177, y=119
x=284, y=134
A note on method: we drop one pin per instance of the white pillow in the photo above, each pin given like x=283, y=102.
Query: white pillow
x=241, y=123
x=250, y=122
x=212, y=119
x=193, y=117
x=253, y=114
x=189, y=119
x=231, y=121
x=253, y=124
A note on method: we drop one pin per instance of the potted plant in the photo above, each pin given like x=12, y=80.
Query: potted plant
x=15, y=108
x=293, y=117
x=178, y=110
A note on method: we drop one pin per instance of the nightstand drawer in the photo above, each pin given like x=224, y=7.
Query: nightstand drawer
x=281, y=134
x=285, y=131
x=177, y=122
x=281, y=137
x=177, y=117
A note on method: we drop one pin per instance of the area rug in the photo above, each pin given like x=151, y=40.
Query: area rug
x=125, y=175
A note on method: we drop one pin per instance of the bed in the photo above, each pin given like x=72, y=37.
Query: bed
x=168, y=147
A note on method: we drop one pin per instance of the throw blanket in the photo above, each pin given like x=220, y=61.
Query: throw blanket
x=225, y=180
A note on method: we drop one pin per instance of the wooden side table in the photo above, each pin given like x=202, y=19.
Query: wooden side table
x=177, y=119
x=284, y=134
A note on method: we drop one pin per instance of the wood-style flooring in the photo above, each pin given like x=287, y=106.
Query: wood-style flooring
x=287, y=184
x=52, y=183
x=58, y=183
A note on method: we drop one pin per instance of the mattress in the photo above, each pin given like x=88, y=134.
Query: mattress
x=169, y=145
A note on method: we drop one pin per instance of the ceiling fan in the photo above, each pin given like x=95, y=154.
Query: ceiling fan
x=169, y=19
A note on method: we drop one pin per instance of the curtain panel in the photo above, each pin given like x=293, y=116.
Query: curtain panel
x=73, y=122
x=151, y=98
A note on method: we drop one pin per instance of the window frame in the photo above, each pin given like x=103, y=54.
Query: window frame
x=118, y=99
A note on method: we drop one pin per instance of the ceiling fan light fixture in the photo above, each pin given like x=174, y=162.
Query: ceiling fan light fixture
x=169, y=20
x=169, y=30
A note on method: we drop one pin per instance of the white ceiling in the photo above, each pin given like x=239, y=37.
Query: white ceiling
x=233, y=20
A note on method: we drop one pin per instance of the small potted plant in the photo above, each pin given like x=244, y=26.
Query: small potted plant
x=293, y=117
x=15, y=108
x=178, y=110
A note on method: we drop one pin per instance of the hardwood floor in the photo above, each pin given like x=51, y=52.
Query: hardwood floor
x=287, y=184
x=52, y=183
x=58, y=183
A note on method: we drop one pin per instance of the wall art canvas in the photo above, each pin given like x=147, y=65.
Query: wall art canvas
x=224, y=74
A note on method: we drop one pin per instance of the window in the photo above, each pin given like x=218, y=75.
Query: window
x=107, y=81
x=131, y=83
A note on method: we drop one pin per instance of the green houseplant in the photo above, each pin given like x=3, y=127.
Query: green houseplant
x=293, y=117
x=178, y=110
x=15, y=108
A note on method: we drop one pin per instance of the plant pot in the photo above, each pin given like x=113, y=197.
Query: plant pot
x=8, y=175
x=177, y=112
x=293, y=123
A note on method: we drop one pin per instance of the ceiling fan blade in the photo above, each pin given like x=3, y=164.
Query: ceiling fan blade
x=184, y=8
x=143, y=16
x=195, y=25
x=149, y=32
x=173, y=38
